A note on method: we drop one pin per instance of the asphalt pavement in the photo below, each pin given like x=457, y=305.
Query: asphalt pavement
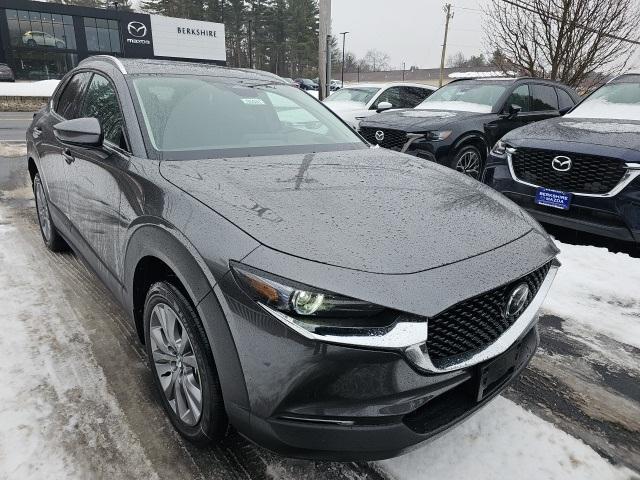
x=13, y=126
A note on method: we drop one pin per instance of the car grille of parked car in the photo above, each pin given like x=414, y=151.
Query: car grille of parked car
x=588, y=174
x=472, y=325
x=393, y=139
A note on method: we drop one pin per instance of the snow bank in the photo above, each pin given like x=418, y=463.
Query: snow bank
x=599, y=291
x=43, y=88
x=491, y=74
x=504, y=441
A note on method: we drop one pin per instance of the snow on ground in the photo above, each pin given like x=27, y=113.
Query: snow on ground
x=58, y=419
x=17, y=149
x=599, y=292
x=43, y=88
x=504, y=441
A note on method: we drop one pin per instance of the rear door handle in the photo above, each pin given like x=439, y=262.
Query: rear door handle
x=37, y=131
x=68, y=156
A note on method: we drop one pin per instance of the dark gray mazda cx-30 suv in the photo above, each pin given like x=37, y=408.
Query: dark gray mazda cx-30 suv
x=328, y=299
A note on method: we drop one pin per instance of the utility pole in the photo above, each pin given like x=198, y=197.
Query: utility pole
x=403, y=67
x=447, y=9
x=250, y=44
x=323, y=34
x=344, y=38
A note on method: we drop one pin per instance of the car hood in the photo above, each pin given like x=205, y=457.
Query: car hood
x=371, y=210
x=418, y=120
x=618, y=134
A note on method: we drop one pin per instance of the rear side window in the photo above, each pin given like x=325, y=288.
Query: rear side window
x=520, y=97
x=543, y=98
x=70, y=97
x=413, y=96
x=101, y=102
x=564, y=99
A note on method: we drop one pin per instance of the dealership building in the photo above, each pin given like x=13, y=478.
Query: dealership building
x=45, y=40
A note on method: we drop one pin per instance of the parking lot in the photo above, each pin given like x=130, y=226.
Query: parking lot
x=77, y=396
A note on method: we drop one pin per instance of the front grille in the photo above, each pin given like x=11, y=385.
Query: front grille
x=588, y=174
x=474, y=324
x=393, y=139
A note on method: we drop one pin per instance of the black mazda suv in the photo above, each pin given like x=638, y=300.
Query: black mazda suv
x=458, y=124
x=580, y=171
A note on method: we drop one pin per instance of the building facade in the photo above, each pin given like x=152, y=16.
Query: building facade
x=45, y=40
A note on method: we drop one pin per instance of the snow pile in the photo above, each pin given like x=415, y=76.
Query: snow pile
x=504, y=441
x=43, y=88
x=18, y=149
x=598, y=291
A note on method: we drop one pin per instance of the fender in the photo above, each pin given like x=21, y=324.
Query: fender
x=169, y=245
x=471, y=136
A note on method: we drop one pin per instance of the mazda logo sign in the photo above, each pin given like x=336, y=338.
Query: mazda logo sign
x=379, y=135
x=137, y=29
x=517, y=301
x=561, y=163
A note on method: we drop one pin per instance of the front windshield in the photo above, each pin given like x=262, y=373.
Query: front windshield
x=198, y=113
x=360, y=95
x=465, y=97
x=620, y=101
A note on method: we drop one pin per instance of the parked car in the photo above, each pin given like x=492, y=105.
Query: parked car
x=291, y=81
x=34, y=38
x=6, y=74
x=581, y=171
x=356, y=102
x=318, y=294
x=306, y=84
x=457, y=125
x=335, y=85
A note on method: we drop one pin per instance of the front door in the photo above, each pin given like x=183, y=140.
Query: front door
x=94, y=186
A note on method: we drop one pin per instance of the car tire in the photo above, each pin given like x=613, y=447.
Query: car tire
x=48, y=230
x=182, y=365
x=60, y=45
x=31, y=43
x=468, y=160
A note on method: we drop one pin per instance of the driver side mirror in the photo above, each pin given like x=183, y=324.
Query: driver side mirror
x=83, y=132
x=382, y=106
x=512, y=111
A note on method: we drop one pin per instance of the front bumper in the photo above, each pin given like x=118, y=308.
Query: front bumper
x=616, y=217
x=321, y=399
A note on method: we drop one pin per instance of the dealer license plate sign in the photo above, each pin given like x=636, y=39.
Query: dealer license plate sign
x=553, y=198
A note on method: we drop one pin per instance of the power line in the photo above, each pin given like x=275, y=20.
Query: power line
x=529, y=8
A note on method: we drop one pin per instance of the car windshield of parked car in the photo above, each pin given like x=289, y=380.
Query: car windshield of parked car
x=358, y=95
x=620, y=101
x=465, y=97
x=231, y=117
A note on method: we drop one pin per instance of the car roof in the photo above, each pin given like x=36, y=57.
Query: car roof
x=390, y=84
x=137, y=66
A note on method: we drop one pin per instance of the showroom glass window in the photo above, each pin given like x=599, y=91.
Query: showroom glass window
x=103, y=35
x=39, y=30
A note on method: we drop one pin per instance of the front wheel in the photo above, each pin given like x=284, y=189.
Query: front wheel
x=468, y=160
x=183, y=368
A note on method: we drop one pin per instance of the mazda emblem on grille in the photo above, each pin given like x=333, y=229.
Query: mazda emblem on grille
x=379, y=135
x=561, y=163
x=517, y=300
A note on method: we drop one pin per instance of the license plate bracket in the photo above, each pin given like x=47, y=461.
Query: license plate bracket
x=553, y=198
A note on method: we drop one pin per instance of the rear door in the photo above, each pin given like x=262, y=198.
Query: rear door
x=95, y=183
x=544, y=103
x=54, y=166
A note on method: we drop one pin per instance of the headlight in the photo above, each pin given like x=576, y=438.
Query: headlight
x=437, y=136
x=306, y=306
x=499, y=149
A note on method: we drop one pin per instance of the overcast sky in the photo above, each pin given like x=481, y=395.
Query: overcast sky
x=412, y=31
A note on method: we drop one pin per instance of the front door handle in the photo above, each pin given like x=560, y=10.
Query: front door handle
x=37, y=131
x=68, y=156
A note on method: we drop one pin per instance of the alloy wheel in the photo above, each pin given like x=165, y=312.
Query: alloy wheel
x=44, y=217
x=175, y=364
x=469, y=164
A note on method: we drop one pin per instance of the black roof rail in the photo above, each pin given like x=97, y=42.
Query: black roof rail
x=115, y=61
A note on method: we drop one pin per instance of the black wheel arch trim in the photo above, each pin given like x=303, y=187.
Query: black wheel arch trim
x=164, y=242
x=469, y=137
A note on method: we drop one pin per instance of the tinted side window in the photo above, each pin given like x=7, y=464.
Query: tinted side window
x=543, y=97
x=564, y=99
x=70, y=97
x=101, y=102
x=413, y=96
x=520, y=97
x=391, y=95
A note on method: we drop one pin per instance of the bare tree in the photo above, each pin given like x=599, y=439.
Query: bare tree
x=457, y=60
x=573, y=41
x=375, y=60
